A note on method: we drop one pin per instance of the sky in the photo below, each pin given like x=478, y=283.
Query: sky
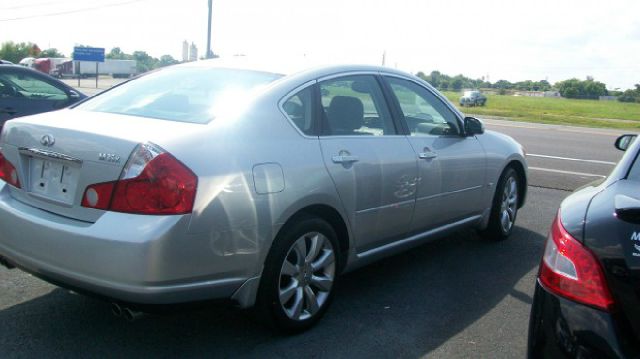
x=513, y=40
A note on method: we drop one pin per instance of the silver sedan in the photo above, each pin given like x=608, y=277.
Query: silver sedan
x=224, y=179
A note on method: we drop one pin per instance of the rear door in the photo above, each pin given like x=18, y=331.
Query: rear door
x=615, y=239
x=372, y=165
x=451, y=166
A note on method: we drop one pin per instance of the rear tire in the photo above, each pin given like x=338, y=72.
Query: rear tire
x=504, y=209
x=299, y=276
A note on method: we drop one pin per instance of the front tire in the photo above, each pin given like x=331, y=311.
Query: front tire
x=504, y=209
x=299, y=275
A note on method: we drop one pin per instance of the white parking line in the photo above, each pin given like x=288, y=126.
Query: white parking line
x=566, y=172
x=556, y=128
x=572, y=159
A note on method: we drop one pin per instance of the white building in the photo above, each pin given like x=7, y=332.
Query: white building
x=193, y=52
x=185, y=51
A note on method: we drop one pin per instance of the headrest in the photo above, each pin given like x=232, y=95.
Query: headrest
x=345, y=113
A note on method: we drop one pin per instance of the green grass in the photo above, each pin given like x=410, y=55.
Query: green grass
x=590, y=113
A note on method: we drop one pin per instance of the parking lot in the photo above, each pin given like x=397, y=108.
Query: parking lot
x=455, y=297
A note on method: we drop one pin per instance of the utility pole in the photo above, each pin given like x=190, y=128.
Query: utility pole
x=208, y=56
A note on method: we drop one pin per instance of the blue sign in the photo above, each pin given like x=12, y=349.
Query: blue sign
x=95, y=54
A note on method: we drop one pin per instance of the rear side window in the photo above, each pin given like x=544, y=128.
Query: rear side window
x=184, y=94
x=299, y=110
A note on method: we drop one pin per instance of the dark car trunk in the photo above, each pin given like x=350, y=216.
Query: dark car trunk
x=616, y=242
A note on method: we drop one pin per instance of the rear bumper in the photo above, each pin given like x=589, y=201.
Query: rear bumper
x=560, y=328
x=128, y=258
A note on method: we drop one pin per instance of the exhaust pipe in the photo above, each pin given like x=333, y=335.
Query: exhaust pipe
x=116, y=309
x=131, y=315
x=128, y=314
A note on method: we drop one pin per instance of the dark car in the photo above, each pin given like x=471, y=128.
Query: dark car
x=587, y=298
x=473, y=98
x=24, y=91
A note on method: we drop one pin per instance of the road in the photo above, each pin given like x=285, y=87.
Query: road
x=459, y=297
x=563, y=157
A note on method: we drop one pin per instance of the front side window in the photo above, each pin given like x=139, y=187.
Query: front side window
x=183, y=94
x=18, y=85
x=354, y=106
x=299, y=109
x=423, y=112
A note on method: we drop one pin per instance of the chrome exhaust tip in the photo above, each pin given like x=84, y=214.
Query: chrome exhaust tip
x=131, y=315
x=116, y=309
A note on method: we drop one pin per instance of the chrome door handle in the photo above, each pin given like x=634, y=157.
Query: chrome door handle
x=344, y=159
x=427, y=155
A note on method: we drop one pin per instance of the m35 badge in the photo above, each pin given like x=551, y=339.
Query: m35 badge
x=635, y=237
x=109, y=157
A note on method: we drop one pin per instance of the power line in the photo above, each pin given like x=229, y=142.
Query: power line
x=71, y=11
x=24, y=6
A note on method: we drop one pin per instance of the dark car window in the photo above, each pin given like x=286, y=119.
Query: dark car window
x=354, y=105
x=184, y=94
x=299, y=109
x=423, y=112
x=21, y=85
x=634, y=171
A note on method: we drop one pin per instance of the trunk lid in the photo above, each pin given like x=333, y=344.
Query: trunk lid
x=616, y=243
x=58, y=154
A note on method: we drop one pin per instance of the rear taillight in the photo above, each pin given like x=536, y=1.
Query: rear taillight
x=8, y=172
x=570, y=270
x=152, y=182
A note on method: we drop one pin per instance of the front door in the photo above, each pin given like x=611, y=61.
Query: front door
x=451, y=166
x=372, y=165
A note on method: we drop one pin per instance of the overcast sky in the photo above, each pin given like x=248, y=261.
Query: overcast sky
x=513, y=40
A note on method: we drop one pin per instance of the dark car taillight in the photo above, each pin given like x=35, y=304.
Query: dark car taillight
x=571, y=270
x=152, y=182
x=8, y=172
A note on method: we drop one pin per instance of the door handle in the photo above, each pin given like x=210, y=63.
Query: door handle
x=427, y=155
x=8, y=110
x=344, y=159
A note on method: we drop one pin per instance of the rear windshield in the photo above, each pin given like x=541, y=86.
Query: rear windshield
x=184, y=94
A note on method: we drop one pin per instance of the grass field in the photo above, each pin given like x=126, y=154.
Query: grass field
x=591, y=113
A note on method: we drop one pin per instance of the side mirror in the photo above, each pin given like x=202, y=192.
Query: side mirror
x=624, y=142
x=473, y=126
x=74, y=95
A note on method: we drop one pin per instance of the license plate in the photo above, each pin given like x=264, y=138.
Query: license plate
x=53, y=179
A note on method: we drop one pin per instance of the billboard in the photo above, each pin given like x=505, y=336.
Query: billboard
x=95, y=54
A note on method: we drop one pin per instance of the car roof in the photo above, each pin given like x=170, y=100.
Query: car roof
x=286, y=66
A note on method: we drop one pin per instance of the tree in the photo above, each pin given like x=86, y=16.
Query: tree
x=574, y=88
x=166, y=60
x=457, y=83
x=630, y=95
x=52, y=52
x=15, y=52
x=117, y=54
x=144, y=62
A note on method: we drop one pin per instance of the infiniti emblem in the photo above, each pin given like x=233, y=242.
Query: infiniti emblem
x=47, y=140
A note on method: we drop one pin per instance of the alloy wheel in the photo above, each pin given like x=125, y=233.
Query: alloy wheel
x=509, y=204
x=306, y=276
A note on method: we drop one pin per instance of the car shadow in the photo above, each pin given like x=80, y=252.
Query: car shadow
x=406, y=305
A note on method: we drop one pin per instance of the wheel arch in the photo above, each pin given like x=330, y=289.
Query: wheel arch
x=333, y=217
x=519, y=167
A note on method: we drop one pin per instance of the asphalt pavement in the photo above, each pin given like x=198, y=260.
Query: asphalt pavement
x=563, y=157
x=458, y=297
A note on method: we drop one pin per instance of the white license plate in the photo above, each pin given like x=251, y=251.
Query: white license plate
x=53, y=179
